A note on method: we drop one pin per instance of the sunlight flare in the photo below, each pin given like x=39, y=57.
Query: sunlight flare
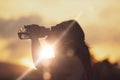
x=27, y=62
x=47, y=52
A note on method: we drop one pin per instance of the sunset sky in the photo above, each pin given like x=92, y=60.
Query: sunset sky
x=100, y=20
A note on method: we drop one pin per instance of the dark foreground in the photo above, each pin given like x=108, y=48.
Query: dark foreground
x=101, y=71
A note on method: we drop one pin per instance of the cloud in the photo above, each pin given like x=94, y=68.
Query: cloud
x=102, y=33
x=106, y=27
x=13, y=48
x=111, y=12
x=9, y=28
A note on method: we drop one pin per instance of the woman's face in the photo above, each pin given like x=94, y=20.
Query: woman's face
x=61, y=45
x=65, y=47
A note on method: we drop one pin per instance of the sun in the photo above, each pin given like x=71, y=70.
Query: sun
x=46, y=52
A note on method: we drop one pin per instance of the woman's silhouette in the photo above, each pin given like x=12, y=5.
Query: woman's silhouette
x=70, y=41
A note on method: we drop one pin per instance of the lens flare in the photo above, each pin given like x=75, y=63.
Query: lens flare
x=47, y=52
x=27, y=63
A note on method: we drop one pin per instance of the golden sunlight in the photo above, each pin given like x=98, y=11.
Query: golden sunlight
x=4, y=52
x=26, y=62
x=47, y=51
x=108, y=51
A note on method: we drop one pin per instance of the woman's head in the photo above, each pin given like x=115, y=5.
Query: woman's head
x=67, y=30
x=69, y=34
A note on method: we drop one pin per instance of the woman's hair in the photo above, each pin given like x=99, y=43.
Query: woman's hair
x=71, y=27
x=71, y=30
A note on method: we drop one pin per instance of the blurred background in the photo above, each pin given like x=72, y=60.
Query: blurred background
x=100, y=20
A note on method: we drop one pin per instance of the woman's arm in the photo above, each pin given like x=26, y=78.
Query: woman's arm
x=35, y=45
x=36, y=32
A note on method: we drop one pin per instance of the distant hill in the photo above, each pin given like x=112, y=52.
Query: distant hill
x=12, y=72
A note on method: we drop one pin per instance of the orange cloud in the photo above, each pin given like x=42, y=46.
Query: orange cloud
x=99, y=19
x=4, y=53
x=106, y=50
x=12, y=49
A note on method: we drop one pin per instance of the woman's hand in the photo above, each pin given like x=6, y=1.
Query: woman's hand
x=36, y=31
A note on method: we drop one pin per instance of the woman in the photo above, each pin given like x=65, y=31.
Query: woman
x=72, y=60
